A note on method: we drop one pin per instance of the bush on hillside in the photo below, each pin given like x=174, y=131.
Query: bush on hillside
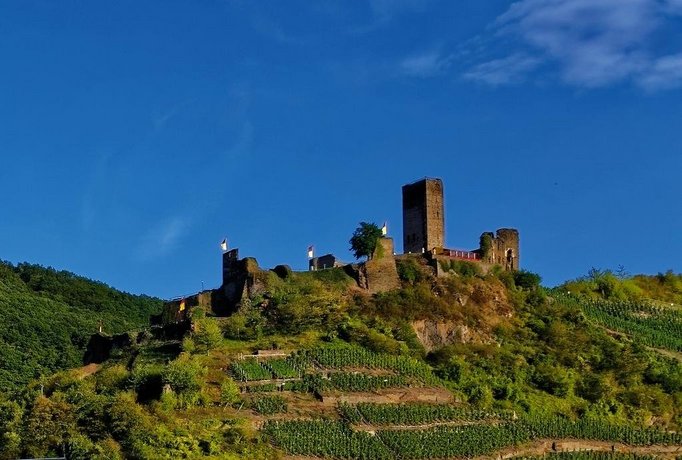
x=526, y=280
x=206, y=334
x=410, y=270
x=461, y=267
x=302, y=303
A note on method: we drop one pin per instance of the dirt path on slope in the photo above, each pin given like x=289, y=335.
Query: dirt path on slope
x=544, y=446
x=86, y=371
x=663, y=351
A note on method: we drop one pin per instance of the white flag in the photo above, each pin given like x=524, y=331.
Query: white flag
x=311, y=253
x=384, y=229
x=223, y=245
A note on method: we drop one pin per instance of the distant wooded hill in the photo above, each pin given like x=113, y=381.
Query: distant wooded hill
x=47, y=317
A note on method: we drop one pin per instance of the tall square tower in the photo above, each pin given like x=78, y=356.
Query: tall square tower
x=423, y=216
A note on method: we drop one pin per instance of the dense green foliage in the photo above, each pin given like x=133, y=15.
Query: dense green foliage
x=47, y=317
x=609, y=285
x=522, y=362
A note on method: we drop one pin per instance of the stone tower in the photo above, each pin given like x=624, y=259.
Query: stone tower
x=423, y=216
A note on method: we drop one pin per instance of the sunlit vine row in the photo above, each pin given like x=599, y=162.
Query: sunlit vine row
x=416, y=414
x=337, y=440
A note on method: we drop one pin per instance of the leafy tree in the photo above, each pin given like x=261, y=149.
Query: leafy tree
x=207, y=334
x=486, y=244
x=130, y=423
x=185, y=378
x=364, y=240
x=10, y=428
x=48, y=426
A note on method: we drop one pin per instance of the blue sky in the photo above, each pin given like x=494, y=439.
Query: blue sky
x=134, y=136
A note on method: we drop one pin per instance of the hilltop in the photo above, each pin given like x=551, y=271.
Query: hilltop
x=454, y=364
x=47, y=317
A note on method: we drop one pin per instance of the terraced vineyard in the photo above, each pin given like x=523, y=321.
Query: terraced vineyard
x=325, y=438
x=269, y=405
x=371, y=430
x=250, y=369
x=354, y=357
x=651, y=325
x=308, y=362
x=415, y=414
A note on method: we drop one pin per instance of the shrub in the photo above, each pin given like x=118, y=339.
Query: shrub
x=410, y=271
x=206, y=334
x=244, y=325
x=526, y=280
x=464, y=268
x=552, y=379
x=229, y=392
x=183, y=376
x=147, y=382
x=111, y=379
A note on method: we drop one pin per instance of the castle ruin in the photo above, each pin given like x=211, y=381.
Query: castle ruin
x=423, y=236
x=424, y=230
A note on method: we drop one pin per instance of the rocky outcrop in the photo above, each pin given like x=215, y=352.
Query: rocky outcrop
x=436, y=334
x=478, y=306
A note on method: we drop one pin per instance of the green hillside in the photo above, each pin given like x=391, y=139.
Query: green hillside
x=460, y=366
x=47, y=317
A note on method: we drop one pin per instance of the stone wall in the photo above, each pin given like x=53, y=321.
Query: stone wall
x=380, y=273
x=423, y=216
x=172, y=312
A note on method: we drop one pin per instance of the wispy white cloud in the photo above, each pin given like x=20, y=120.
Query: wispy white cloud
x=162, y=238
x=426, y=64
x=665, y=73
x=588, y=43
x=504, y=71
x=162, y=117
